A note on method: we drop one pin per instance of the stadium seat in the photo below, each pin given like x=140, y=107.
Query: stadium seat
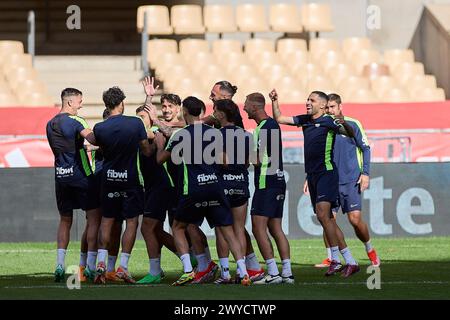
x=189, y=47
x=253, y=84
x=353, y=83
x=286, y=46
x=251, y=18
x=316, y=17
x=241, y=72
x=8, y=47
x=201, y=58
x=20, y=74
x=273, y=73
x=364, y=57
x=159, y=46
x=373, y=70
x=396, y=56
x=406, y=70
x=361, y=96
x=329, y=58
x=233, y=60
x=187, y=19
x=429, y=95
x=419, y=82
x=382, y=84
x=265, y=58
x=17, y=60
x=224, y=46
x=293, y=95
x=35, y=99
x=395, y=95
x=340, y=71
x=167, y=60
x=285, y=18
x=354, y=44
x=321, y=83
x=296, y=59
x=219, y=18
x=174, y=71
x=287, y=83
x=318, y=45
x=255, y=46
x=158, y=21
x=308, y=70
x=8, y=100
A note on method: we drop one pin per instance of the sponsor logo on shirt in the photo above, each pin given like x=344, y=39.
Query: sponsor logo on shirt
x=234, y=177
x=213, y=203
x=231, y=192
x=205, y=178
x=116, y=175
x=280, y=197
x=64, y=171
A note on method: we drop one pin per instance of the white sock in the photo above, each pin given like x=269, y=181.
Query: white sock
x=112, y=263
x=91, y=259
x=251, y=262
x=329, y=254
x=83, y=259
x=224, y=267
x=155, y=266
x=186, y=261
x=286, y=268
x=208, y=255
x=242, y=268
x=272, y=267
x=368, y=246
x=335, y=254
x=102, y=255
x=348, y=256
x=202, y=262
x=61, y=257
x=124, y=257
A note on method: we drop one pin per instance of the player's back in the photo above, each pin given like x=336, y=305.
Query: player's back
x=71, y=160
x=119, y=138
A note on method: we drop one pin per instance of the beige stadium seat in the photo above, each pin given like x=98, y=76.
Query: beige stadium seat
x=318, y=45
x=406, y=70
x=340, y=71
x=374, y=70
x=177, y=70
x=330, y=58
x=8, y=100
x=36, y=99
x=255, y=46
x=157, y=47
x=158, y=21
x=225, y=46
x=286, y=46
x=253, y=84
x=8, y=47
x=429, y=95
x=189, y=47
x=293, y=95
x=187, y=19
x=273, y=73
x=251, y=18
x=363, y=58
x=395, y=95
x=296, y=59
x=233, y=59
x=241, y=72
x=396, y=56
x=219, y=18
x=316, y=17
x=18, y=74
x=354, y=44
x=165, y=61
x=320, y=83
x=28, y=85
x=17, y=60
x=362, y=96
x=382, y=84
x=309, y=70
x=353, y=83
x=263, y=59
x=285, y=18
x=419, y=82
x=200, y=59
x=287, y=83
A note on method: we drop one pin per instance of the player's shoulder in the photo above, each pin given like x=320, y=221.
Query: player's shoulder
x=353, y=121
x=270, y=123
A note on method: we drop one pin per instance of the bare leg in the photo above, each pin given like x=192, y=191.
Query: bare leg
x=360, y=226
x=63, y=235
x=129, y=236
x=277, y=233
x=259, y=229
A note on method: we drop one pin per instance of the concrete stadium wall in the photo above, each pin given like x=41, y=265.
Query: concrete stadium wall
x=403, y=200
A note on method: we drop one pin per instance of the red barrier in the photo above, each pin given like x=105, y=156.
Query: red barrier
x=25, y=121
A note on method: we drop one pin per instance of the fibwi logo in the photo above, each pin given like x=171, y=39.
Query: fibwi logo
x=234, y=177
x=64, y=171
x=112, y=174
x=206, y=177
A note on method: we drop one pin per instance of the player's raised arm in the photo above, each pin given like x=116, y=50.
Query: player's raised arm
x=162, y=155
x=273, y=95
x=345, y=128
x=88, y=134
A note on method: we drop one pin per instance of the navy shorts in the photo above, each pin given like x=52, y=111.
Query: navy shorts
x=122, y=203
x=212, y=205
x=157, y=202
x=268, y=202
x=324, y=187
x=80, y=195
x=236, y=193
x=349, y=197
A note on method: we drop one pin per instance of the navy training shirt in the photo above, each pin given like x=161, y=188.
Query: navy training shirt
x=194, y=173
x=269, y=150
x=119, y=137
x=71, y=159
x=352, y=155
x=319, y=135
x=236, y=145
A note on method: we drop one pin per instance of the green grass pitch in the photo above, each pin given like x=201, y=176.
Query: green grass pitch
x=413, y=268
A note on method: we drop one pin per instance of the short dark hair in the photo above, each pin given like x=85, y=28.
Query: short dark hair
x=68, y=92
x=113, y=97
x=194, y=106
x=106, y=113
x=231, y=111
x=322, y=95
x=335, y=97
x=172, y=98
x=257, y=98
x=140, y=108
x=227, y=87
